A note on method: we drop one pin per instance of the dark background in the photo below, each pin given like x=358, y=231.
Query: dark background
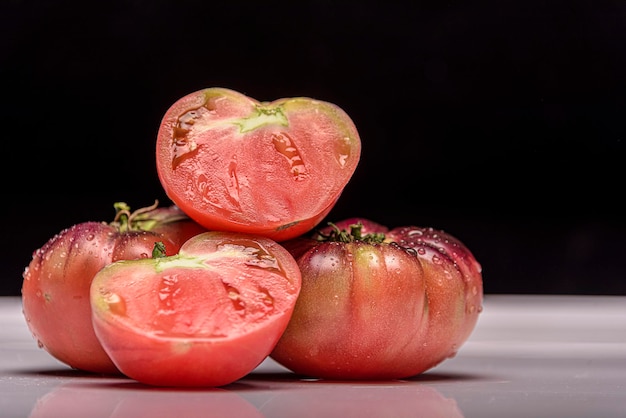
x=502, y=123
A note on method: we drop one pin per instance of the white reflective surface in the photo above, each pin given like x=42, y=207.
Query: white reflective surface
x=530, y=356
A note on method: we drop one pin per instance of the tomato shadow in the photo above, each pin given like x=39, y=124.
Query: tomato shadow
x=84, y=379
x=132, y=385
x=66, y=373
x=253, y=381
x=431, y=377
x=437, y=377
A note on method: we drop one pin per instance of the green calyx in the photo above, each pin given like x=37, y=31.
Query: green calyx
x=123, y=217
x=139, y=220
x=264, y=115
x=143, y=219
x=158, y=251
x=351, y=235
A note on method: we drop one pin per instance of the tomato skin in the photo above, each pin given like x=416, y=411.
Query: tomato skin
x=357, y=316
x=55, y=287
x=276, y=169
x=204, y=317
x=362, y=316
x=453, y=274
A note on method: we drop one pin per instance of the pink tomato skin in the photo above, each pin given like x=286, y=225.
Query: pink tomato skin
x=55, y=290
x=454, y=280
x=380, y=310
x=359, y=313
x=55, y=287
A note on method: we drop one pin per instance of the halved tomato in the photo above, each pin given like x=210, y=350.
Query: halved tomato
x=204, y=317
x=276, y=168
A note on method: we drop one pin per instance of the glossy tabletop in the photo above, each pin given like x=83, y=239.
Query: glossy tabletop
x=529, y=356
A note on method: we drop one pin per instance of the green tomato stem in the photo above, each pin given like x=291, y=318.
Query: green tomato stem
x=354, y=234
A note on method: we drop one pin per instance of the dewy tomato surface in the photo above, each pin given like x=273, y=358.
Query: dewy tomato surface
x=204, y=317
x=378, y=303
x=55, y=289
x=270, y=168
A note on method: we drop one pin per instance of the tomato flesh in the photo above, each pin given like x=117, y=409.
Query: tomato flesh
x=270, y=168
x=204, y=317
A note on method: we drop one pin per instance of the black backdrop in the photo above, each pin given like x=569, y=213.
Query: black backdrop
x=503, y=124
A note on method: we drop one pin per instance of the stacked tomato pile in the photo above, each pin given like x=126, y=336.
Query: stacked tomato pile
x=201, y=292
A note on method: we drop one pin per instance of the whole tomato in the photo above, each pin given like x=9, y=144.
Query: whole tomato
x=55, y=287
x=276, y=168
x=378, y=303
x=204, y=317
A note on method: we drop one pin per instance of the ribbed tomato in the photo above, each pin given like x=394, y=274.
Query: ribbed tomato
x=276, y=168
x=378, y=303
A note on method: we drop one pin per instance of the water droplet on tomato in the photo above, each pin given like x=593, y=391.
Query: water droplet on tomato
x=474, y=290
x=436, y=259
x=90, y=237
x=421, y=251
x=40, y=344
x=471, y=309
